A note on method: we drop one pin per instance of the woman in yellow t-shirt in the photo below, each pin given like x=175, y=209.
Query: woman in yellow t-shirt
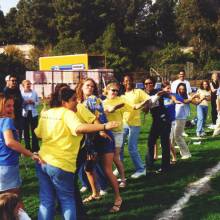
x=102, y=144
x=61, y=132
x=115, y=107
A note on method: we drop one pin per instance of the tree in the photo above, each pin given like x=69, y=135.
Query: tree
x=36, y=20
x=69, y=46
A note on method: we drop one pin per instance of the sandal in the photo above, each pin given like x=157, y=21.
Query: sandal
x=116, y=207
x=173, y=162
x=91, y=198
x=122, y=184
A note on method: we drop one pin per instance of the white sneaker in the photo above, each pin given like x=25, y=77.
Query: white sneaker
x=103, y=192
x=136, y=175
x=115, y=172
x=203, y=134
x=184, y=134
x=186, y=157
x=83, y=189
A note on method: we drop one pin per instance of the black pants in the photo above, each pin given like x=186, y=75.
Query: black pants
x=30, y=123
x=214, y=111
x=159, y=129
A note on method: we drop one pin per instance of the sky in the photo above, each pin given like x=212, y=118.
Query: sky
x=7, y=4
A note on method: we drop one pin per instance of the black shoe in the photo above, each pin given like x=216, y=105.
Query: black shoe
x=161, y=171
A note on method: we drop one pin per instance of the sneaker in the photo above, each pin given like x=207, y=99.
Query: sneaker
x=115, y=172
x=203, y=134
x=136, y=175
x=103, y=192
x=184, y=134
x=186, y=157
x=198, y=134
x=83, y=189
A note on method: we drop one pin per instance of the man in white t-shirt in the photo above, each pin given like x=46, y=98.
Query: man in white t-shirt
x=181, y=79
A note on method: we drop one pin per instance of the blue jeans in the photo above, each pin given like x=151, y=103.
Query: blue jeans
x=202, y=111
x=55, y=184
x=133, y=134
x=101, y=177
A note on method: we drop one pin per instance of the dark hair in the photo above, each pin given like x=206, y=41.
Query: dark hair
x=165, y=84
x=185, y=96
x=201, y=85
x=152, y=79
x=60, y=86
x=64, y=94
x=130, y=76
x=8, y=203
x=79, y=92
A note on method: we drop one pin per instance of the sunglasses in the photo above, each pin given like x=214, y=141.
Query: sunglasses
x=114, y=90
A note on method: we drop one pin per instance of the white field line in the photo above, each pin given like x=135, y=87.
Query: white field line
x=193, y=189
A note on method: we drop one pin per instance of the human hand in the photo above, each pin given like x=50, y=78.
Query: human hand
x=112, y=124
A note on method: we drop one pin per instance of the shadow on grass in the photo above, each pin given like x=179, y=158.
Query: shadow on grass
x=205, y=206
x=144, y=198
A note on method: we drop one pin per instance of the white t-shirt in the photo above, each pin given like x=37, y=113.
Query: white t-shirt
x=177, y=82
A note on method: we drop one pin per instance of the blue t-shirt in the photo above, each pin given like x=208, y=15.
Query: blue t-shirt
x=8, y=157
x=170, y=107
x=182, y=110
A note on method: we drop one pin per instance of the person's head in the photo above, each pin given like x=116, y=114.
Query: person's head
x=214, y=77
x=66, y=97
x=182, y=75
x=149, y=84
x=205, y=85
x=7, y=79
x=181, y=90
x=86, y=88
x=6, y=106
x=26, y=85
x=12, y=82
x=112, y=90
x=128, y=82
x=166, y=86
x=60, y=86
x=9, y=205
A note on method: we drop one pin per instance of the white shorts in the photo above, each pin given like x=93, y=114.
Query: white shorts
x=118, y=136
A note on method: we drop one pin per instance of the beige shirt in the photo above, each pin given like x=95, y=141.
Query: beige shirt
x=203, y=93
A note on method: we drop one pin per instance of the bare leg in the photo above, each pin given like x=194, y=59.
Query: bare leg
x=107, y=160
x=92, y=181
x=118, y=163
x=155, y=152
x=173, y=152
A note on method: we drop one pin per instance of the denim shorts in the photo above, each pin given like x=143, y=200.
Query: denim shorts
x=118, y=136
x=9, y=177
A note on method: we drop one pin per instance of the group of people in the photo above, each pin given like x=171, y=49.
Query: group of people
x=83, y=135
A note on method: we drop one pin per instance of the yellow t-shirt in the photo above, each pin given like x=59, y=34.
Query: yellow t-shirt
x=84, y=115
x=133, y=97
x=203, y=93
x=60, y=143
x=117, y=115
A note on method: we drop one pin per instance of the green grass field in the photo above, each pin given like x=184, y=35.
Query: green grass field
x=146, y=197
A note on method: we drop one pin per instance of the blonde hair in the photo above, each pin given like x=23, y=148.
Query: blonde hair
x=107, y=88
x=3, y=100
x=25, y=81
